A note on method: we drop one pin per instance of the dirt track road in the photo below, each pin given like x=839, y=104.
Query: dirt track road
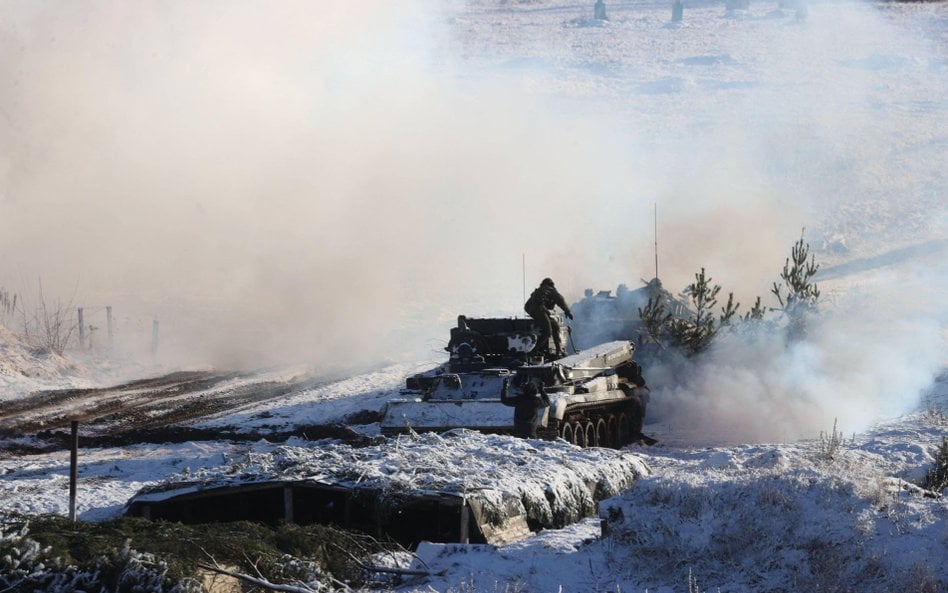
x=140, y=407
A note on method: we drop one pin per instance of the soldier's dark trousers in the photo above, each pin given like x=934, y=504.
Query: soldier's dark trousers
x=525, y=430
x=548, y=327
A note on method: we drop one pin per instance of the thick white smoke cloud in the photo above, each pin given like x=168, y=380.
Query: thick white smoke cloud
x=870, y=354
x=865, y=189
x=315, y=180
x=273, y=182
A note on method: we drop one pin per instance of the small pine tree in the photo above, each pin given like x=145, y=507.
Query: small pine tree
x=801, y=293
x=729, y=310
x=756, y=313
x=695, y=333
x=655, y=316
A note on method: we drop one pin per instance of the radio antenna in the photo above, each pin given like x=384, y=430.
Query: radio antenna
x=656, y=239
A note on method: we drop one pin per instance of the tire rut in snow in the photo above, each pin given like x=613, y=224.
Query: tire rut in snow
x=140, y=405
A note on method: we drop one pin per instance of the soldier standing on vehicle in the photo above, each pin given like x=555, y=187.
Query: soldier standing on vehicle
x=531, y=400
x=540, y=307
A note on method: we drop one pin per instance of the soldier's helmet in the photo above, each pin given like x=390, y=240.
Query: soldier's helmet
x=547, y=282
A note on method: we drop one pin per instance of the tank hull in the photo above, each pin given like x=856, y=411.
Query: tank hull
x=593, y=397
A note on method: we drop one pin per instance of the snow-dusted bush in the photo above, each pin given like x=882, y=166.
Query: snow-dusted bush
x=831, y=444
x=25, y=565
x=305, y=572
x=773, y=520
x=48, y=327
x=937, y=478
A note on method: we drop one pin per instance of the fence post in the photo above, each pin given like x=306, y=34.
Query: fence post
x=288, y=514
x=154, y=337
x=73, y=466
x=599, y=11
x=82, y=330
x=108, y=317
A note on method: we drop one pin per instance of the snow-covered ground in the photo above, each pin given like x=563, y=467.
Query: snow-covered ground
x=750, y=518
x=501, y=128
x=804, y=515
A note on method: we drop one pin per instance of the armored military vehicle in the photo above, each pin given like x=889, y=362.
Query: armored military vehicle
x=600, y=316
x=597, y=396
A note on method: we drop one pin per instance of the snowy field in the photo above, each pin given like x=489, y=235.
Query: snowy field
x=454, y=149
x=805, y=515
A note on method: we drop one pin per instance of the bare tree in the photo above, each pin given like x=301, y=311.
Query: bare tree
x=48, y=328
x=7, y=305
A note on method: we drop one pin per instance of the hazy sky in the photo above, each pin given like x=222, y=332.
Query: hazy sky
x=310, y=178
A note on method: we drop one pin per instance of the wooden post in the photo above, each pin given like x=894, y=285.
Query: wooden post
x=464, y=534
x=108, y=317
x=377, y=515
x=73, y=467
x=288, y=504
x=154, y=337
x=82, y=330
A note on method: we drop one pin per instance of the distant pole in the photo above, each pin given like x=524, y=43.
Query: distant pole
x=73, y=467
x=82, y=330
x=524, y=272
x=656, y=239
x=108, y=317
x=599, y=11
x=154, y=337
x=802, y=10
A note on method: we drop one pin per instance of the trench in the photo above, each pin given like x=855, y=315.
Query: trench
x=406, y=519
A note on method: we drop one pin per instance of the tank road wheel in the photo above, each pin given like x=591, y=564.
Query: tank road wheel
x=567, y=432
x=622, y=432
x=590, y=430
x=612, y=429
x=579, y=434
x=602, y=435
